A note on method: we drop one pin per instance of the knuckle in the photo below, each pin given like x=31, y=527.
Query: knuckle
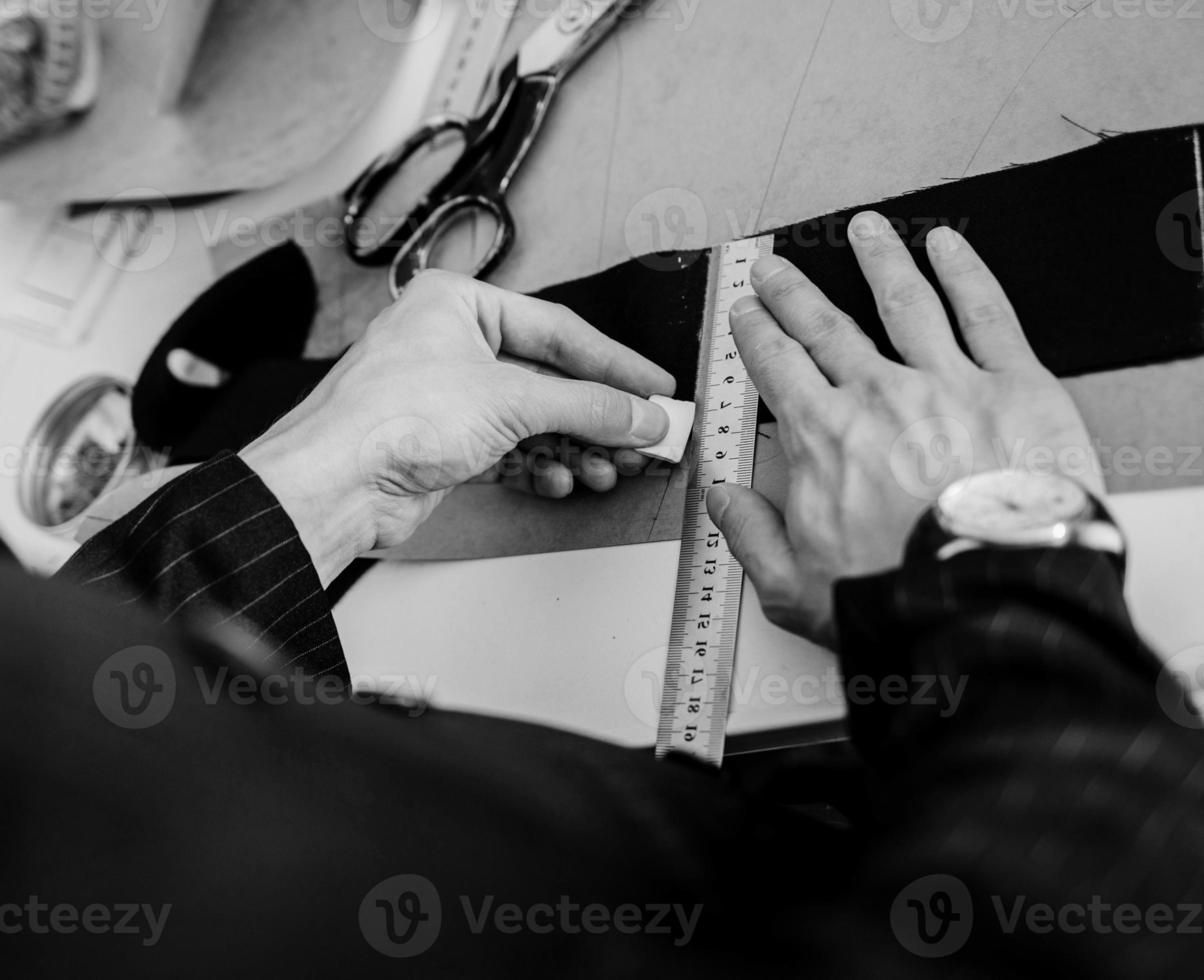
x=979, y=315
x=606, y=409
x=828, y=331
x=882, y=246
x=785, y=286
x=826, y=324
x=768, y=349
x=878, y=386
x=962, y=263
x=902, y=296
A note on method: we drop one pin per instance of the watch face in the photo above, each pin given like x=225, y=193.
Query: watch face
x=1010, y=507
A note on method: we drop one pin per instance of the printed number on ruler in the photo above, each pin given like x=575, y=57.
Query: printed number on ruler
x=710, y=582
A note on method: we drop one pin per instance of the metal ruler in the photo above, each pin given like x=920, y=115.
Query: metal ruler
x=710, y=582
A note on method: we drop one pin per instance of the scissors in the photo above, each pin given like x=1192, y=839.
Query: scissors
x=456, y=168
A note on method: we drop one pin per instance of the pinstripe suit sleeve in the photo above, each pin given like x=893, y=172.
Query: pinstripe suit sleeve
x=1043, y=755
x=216, y=547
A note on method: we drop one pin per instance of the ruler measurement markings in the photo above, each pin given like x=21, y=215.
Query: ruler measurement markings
x=701, y=657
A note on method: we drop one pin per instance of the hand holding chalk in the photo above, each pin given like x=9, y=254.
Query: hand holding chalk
x=672, y=449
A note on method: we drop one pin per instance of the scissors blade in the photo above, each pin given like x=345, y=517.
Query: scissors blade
x=566, y=39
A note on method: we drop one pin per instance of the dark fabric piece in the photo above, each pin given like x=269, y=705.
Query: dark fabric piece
x=5, y=554
x=262, y=310
x=1099, y=251
x=215, y=546
x=655, y=305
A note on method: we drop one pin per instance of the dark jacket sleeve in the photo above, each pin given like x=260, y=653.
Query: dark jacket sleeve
x=1037, y=777
x=216, y=547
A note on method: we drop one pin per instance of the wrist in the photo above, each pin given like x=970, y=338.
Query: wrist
x=330, y=510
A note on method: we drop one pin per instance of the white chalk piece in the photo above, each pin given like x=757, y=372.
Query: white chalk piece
x=681, y=424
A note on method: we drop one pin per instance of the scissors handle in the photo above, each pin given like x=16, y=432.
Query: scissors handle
x=415, y=255
x=372, y=183
x=500, y=145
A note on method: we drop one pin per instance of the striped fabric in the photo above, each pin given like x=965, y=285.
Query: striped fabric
x=215, y=548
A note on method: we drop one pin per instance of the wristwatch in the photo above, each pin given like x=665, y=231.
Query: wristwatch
x=1015, y=510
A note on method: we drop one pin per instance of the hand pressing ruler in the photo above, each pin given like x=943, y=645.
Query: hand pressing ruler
x=710, y=582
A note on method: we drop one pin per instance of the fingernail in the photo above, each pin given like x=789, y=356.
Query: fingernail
x=768, y=267
x=651, y=422
x=718, y=500
x=944, y=240
x=868, y=226
x=744, y=306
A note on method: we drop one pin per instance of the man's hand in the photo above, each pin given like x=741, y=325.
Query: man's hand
x=870, y=443
x=423, y=404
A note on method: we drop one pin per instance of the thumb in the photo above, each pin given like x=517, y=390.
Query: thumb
x=592, y=413
x=756, y=533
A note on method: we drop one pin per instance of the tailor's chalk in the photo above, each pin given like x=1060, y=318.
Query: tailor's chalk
x=672, y=448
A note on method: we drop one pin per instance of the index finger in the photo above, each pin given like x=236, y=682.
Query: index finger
x=786, y=377
x=555, y=335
